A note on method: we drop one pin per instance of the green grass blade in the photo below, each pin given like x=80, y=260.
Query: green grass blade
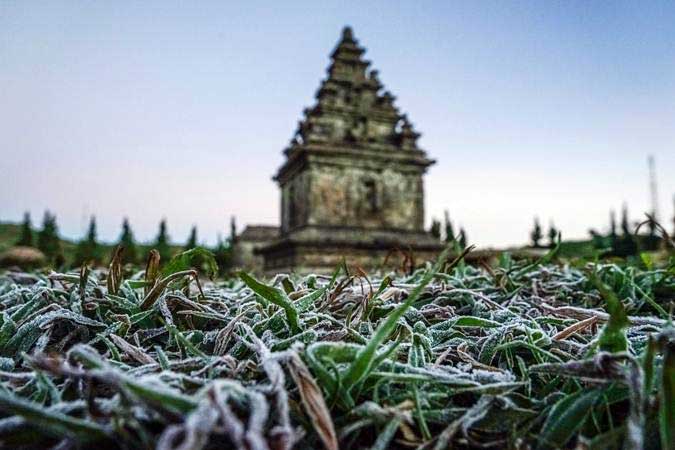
x=197, y=257
x=613, y=336
x=364, y=359
x=276, y=296
x=667, y=393
x=51, y=422
x=566, y=418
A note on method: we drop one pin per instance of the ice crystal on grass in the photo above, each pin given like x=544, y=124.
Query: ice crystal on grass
x=531, y=356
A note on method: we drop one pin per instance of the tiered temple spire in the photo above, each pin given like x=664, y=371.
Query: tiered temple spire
x=352, y=107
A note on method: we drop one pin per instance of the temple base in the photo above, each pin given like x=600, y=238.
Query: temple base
x=322, y=256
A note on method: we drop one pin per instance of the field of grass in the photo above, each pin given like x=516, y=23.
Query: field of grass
x=522, y=355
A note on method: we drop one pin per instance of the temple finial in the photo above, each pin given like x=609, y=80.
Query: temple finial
x=347, y=33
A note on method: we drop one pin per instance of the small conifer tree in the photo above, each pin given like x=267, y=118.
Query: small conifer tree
x=130, y=254
x=435, y=229
x=536, y=233
x=48, y=239
x=233, y=230
x=26, y=236
x=651, y=242
x=463, y=242
x=162, y=243
x=613, y=236
x=449, y=232
x=552, y=235
x=625, y=245
x=625, y=223
x=88, y=250
x=223, y=255
x=192, y=239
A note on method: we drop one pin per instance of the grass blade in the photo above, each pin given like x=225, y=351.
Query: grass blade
x=667, y=391
x=566, y=417
x=275, y=296
x=364, y=359
x=51, y=422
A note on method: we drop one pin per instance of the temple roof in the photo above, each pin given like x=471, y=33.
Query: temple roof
x=257, y=233
x=352, y=109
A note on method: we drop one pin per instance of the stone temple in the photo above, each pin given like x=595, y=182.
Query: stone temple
x=352, y=183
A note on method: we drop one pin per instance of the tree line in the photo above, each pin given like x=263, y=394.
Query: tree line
x=537, y=235
x=447, y=233
x=89, y=250
x=621, y=240
x=624, y=240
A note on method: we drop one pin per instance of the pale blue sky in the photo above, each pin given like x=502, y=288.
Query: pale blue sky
x=182, y=109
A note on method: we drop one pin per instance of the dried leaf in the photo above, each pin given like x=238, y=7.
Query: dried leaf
x=313, y=401
x=115, y=271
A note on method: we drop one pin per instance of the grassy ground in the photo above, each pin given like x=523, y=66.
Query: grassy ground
x=523, y=355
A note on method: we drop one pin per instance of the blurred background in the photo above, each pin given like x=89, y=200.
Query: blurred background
x=177, y=111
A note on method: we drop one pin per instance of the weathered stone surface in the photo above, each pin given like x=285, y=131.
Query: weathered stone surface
x=352, y=183
x=320, y=257
x=248, y=242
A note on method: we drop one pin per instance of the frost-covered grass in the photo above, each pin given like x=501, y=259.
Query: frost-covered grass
x=515, y=356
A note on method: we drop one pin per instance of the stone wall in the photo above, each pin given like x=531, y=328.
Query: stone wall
x=244, y=256
x=295, y=202
x=371, y=199
x=248, y=242
x=352, y=196
x=323, y=259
